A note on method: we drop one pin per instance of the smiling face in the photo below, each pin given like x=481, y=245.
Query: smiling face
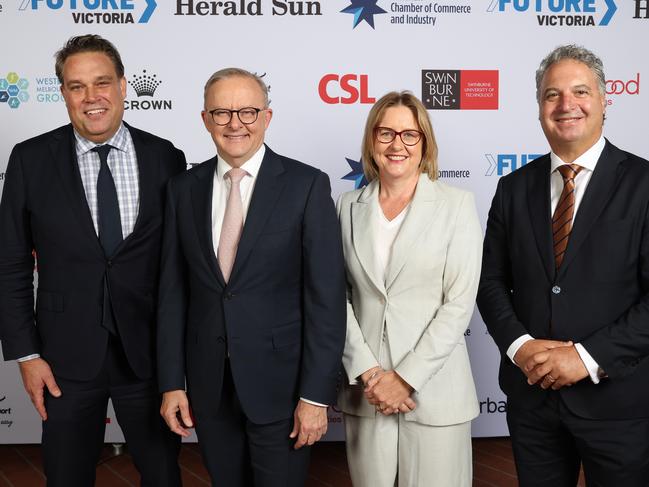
x=395, y=160
x=571, y=108
x=94, y=95
x=236, y=142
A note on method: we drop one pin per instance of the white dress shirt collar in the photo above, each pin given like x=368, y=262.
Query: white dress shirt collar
x=588, y=160
x=251, y=166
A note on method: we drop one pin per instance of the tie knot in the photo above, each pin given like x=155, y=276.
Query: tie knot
x=569, y=171
x=236, y=174
x=103, y=151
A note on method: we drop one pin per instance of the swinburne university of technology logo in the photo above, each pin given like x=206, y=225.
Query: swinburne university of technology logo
x=13, y=90
x=145, y=86
x=459, y=89
x=98, y=11
x=549, y=13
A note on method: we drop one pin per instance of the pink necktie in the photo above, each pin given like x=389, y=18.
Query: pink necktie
x=232, y=223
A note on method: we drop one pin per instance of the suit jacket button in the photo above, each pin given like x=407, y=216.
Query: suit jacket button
x=109, y=263
x=229, y=296
x=556, y=289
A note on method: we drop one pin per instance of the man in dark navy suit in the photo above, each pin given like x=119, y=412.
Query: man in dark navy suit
x=252, y=297
x=565, y=291
x=88, y=199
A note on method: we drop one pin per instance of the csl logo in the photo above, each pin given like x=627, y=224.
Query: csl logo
x=353, y=86
x=506, y=163
x=619, y=87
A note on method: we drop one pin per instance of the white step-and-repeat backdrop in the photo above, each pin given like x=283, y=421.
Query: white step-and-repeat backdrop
x=472, y=62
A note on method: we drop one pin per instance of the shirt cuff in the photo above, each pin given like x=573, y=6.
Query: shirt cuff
x=28, y=357
x=589, y=362
x=314, y=403
x=518, y=343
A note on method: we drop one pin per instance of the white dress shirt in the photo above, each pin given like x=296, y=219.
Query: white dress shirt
x=588, y=161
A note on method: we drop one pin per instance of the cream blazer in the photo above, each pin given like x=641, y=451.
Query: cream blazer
x=424, y=306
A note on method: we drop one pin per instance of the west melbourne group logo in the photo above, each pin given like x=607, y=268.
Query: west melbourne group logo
x=145, y=86
x=549, y=13
x=459, y=89
x=98, y=11
x=13, y=90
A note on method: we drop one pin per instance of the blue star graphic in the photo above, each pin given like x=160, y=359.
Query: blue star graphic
x=356, y=173
x=363, y=10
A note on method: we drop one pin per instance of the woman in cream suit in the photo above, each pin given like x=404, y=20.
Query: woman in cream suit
x=412, y=250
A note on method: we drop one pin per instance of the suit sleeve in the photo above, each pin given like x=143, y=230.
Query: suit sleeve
x=494, y=293
x=17, y=326
x=619, y=347
x=357, y=355
x=172, y=303
x=324, y=295
x=459, y=285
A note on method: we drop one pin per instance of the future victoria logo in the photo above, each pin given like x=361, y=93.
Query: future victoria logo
x=561, y=12
x=97, y=11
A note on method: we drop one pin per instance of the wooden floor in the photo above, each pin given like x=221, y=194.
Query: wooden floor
x=20, y=466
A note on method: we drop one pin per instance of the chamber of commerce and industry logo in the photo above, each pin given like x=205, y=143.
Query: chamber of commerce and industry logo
x=13, y=90
x=356, y=174
x=363, y=10
x=98, y=11
x=145, y=86
x=571, y=13
x=459, y=89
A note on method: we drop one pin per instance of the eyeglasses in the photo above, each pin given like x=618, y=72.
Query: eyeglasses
x=385, y=135
x=247, y=115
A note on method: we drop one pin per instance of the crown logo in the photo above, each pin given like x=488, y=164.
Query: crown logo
x=144, y=85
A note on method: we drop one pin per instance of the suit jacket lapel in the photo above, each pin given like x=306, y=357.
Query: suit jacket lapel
x=363, y=216
x=600, y=188
x=425, y=204
x=65, y=158
x=202, y=204
x=267, y=190
x=538, y=198
x=148, y=169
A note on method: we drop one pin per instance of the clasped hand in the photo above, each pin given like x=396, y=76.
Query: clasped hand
x=387, y=391
x=550, y=363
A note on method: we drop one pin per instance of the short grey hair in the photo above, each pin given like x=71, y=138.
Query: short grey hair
x=237, y=72
x=576, y=53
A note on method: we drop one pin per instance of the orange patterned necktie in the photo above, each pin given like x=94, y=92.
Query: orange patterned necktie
x=564, y=212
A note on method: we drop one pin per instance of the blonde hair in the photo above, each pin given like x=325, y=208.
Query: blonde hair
x=428, y=162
